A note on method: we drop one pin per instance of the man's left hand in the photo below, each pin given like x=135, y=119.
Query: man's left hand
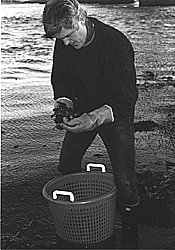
x=83, y=123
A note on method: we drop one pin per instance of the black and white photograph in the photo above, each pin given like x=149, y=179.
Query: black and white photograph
x=87, y=124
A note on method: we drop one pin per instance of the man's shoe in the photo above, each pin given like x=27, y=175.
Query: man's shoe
x=129, y=238
x=129, y=216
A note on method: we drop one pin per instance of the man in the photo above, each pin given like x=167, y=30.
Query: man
x=94, y=74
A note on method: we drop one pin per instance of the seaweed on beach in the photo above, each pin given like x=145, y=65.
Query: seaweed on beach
x=145, y=126
x=26, y=221
x=157, y=193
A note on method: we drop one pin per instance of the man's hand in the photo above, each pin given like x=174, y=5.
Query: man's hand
x=83, y=123
x=89, y=121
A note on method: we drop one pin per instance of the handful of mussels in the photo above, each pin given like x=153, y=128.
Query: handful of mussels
x=62, y=111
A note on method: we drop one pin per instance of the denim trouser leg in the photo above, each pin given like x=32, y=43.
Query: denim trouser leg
x=118, y=138
x=119, y=141
x=73, y=149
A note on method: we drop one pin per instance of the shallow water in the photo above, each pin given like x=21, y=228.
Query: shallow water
x=27, y=55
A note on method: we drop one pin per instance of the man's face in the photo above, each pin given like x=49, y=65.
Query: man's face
x=75, y=37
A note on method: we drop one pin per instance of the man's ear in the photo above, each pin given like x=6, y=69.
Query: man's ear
x=75, y=24
x=81, y=19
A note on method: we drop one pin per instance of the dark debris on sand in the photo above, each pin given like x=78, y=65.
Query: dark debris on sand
x=145, y=126
x=157, y=193
x=27, y=222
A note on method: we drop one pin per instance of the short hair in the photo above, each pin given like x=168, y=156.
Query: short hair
x=60, y=14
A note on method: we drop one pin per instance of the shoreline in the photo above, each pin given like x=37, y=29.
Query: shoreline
x=31, y=141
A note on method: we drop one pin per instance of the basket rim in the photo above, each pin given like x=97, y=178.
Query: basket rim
x=90, y=201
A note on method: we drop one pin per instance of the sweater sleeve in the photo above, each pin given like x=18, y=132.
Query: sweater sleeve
x=60, y=77
x=120, y=78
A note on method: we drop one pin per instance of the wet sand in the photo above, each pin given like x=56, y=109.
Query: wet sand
x=30, y=155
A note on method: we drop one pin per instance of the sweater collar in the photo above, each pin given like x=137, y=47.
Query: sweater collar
x=90, y=32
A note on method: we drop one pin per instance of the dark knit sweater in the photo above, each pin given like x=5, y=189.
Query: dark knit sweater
x=101, y=73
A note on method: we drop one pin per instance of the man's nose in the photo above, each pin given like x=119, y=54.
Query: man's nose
x=66, y=41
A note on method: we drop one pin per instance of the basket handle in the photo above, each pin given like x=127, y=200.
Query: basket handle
x=60, y=192
x=96, y=165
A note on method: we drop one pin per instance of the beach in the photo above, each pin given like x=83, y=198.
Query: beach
x=31, y=146
x=31, y=158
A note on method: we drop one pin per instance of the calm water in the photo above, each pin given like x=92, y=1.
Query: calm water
x=27, y=55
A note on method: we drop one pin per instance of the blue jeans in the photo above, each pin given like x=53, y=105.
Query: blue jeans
x=118, y=138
